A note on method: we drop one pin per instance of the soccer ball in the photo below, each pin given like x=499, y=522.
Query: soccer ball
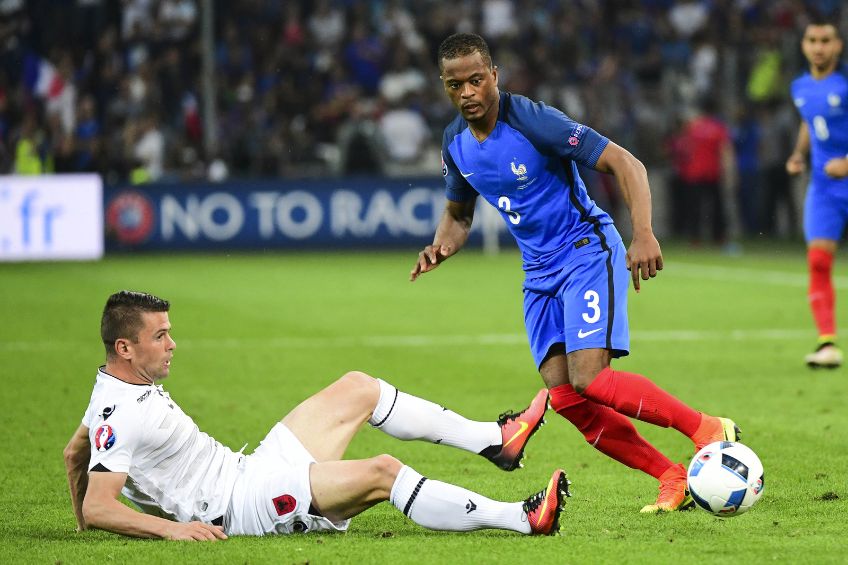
x=726, y=478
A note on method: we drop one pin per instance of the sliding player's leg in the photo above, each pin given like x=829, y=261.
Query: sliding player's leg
x=407, y=417
x=343, y=489
x=356, y=398
x=283, y=489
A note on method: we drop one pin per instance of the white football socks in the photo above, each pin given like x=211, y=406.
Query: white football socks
x=442, y=506
x=408, y=417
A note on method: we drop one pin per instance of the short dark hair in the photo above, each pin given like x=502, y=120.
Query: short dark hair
x=462, y=44
x=122, y=316
x=818, y=19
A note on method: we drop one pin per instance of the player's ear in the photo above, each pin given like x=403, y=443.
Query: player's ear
x=122, y=348
x=495, y=75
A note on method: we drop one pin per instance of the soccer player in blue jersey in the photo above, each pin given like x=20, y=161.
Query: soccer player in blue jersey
x=821, y=96
x=521, y=156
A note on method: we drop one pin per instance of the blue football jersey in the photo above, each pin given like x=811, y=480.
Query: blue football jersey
x=527, y=170
x=823, y=104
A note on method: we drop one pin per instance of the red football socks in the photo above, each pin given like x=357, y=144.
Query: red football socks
x=608, y=431
x=635, y=396
x=820, y=293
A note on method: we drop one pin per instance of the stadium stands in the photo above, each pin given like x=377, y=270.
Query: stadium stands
x=315, y=88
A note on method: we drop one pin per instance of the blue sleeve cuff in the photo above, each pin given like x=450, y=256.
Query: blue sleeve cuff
x=459, y=195
x=596, y=152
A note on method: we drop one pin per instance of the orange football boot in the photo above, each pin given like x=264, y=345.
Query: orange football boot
x=516, y=431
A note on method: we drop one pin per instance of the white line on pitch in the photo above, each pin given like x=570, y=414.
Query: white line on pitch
x=429, y=340
x=745, y=275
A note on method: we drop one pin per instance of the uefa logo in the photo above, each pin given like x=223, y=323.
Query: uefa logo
x=130, y=217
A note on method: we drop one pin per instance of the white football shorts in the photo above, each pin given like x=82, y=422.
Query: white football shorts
x=272, y=493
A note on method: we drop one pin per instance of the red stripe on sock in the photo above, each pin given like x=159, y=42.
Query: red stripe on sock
x=636, y=396
x=820, y=293
x=608, y=431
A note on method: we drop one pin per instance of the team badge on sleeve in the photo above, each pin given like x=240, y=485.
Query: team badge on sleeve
x=104, y=438
x=444, y=166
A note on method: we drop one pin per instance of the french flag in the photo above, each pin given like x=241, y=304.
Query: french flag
x=41, y=77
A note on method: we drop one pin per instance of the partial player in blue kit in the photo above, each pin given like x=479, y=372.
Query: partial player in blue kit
x=527, y=186
x=821, y=97
x=521, y=157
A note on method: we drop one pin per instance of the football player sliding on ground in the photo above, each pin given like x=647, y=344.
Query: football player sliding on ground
x=134, y=439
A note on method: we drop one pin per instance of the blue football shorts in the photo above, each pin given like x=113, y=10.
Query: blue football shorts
x=584, y=305
x=825, y=212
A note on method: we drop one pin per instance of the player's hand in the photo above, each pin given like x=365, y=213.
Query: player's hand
x=796, y=164
x=195, y=531
x=837, y=167
x=643, y=258
x=429, y=259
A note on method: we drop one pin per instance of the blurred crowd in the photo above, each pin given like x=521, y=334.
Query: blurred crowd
x=324, y=87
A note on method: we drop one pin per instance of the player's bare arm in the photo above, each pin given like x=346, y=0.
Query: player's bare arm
x=77, y=455
x=837, y=168
x=102, y=510
x=451, y=235
x=797, y=162
x=644, y=255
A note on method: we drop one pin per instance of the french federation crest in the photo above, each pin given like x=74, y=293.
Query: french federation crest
x=104, y=438
x=520, y=171
x=834, y=100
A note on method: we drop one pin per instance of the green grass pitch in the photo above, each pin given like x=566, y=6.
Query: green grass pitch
x=257, y=333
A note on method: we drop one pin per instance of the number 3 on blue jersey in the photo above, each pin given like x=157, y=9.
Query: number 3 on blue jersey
x=591, y=297
x=504, y=204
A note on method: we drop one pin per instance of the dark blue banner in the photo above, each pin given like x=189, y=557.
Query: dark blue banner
x=328, y=213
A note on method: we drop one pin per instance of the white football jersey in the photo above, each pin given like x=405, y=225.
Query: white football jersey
x=174, y=470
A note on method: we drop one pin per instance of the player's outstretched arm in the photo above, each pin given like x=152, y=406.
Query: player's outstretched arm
x=797, y=161
x=644, y=255
x=77, y=455
x=451, y=235
x=101, y=509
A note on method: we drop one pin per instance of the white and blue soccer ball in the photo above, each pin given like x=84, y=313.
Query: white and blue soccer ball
x=726, y=478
